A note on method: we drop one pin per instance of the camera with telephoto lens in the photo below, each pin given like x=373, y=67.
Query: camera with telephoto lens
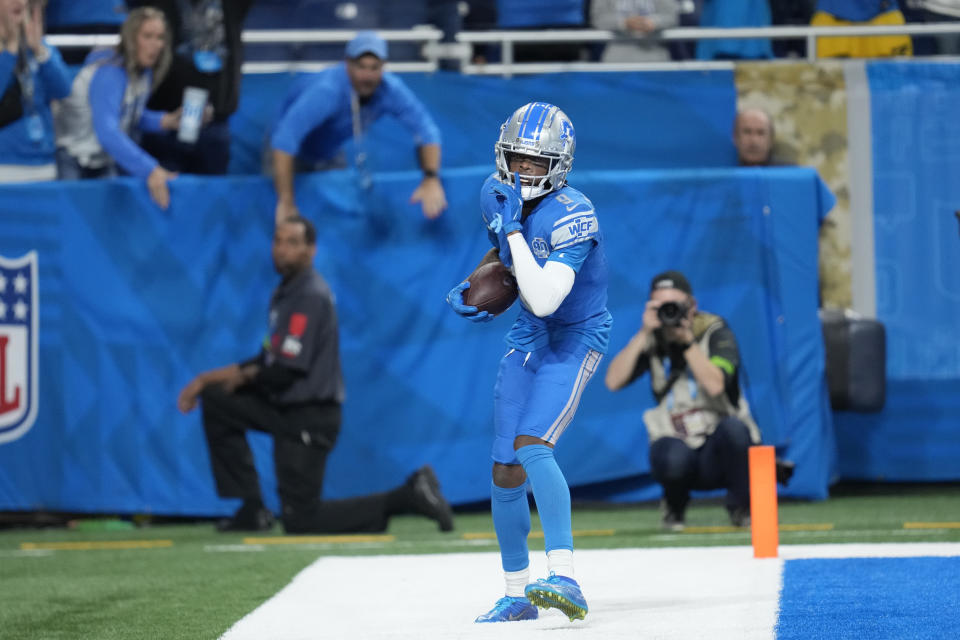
x=671, y=314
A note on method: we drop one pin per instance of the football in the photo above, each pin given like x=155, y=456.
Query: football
x=492, y=288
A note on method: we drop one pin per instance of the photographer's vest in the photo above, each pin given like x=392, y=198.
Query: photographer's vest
x=684, y=411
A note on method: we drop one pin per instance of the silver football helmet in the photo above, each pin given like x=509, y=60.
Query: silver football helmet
x=542, y=130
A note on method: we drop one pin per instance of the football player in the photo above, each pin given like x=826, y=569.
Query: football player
x=547, y=233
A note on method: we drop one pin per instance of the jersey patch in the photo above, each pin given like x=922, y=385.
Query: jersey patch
x=291, y=347
x=298, y=324
x=574, y=228
x=540, y=248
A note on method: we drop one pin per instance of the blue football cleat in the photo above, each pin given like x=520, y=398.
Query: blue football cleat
x=509, y=609
x=560, y=592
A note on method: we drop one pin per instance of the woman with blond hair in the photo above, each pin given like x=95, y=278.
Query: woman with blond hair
x=32, y=74
x=99, y=125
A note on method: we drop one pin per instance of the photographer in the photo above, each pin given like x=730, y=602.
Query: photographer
x=701, y=429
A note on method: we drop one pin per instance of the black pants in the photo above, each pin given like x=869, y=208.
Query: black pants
x=303, y=436
x=721, y=463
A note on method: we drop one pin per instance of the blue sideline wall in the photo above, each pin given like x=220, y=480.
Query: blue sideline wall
x=134, y=301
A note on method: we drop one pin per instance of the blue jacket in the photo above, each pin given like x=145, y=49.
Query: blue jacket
x=107, y=92
x=519, y=14
x=735, y=13
x=317, y=117
x=51, y=82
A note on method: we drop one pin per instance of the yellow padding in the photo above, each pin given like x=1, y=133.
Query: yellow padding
x=96, y=545
x=861, y=46
x=931, y=525
x=318, y=539
x=586, y=533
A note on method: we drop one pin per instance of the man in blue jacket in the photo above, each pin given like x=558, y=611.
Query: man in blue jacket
x=338, y=105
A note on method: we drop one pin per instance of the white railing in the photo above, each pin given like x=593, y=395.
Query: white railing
x=433, y=50
x=426, y=35
x=507, y=40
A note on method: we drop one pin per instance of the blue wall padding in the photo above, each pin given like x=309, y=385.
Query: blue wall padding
x=134, y=301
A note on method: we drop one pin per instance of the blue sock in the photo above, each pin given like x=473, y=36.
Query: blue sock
x=511, y=521
x=551, y=494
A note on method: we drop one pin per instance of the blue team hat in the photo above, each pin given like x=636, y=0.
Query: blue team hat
x=367, y=42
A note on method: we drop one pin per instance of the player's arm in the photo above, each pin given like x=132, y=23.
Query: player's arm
x=544, y=288
x=574, y=235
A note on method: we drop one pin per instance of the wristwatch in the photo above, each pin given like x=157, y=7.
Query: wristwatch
x=430, y=173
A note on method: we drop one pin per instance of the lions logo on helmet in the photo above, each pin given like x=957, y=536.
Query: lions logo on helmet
x=542, y=130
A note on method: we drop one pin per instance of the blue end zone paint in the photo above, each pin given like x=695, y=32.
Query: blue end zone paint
x=866, y=598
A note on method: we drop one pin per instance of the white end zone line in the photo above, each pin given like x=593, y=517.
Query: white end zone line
x=654, y=593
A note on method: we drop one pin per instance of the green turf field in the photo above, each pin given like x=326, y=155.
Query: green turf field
x=189, y=582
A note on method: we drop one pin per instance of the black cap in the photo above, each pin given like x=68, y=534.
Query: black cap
x=671, y=280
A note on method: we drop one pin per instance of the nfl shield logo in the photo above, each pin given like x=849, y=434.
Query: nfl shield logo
x=19, y=314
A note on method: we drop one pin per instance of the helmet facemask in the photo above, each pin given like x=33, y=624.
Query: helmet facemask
x=531, y=186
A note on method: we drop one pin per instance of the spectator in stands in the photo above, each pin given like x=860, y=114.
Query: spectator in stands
x=98, y=124
x=734, y=13
x=753, y=138
x=933, y=11
x=339, y=103
x=635, y=21
x=207, y=54
x=833, y=13
x=791, y=13
x=32, y=74
x=84, y=16
x=293, y=390
x=540, y=15
x=701, y=429
x=482, y=16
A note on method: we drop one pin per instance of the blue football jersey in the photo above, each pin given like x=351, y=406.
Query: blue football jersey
x=563, y=227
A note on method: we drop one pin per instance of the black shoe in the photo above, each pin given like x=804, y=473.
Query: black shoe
x=672, y=519
x=427, y=499
x=739, y=516
x=784, y=470
x=259, y=519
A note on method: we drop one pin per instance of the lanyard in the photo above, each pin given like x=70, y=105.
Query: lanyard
x=360, y=159
x=25, y=69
